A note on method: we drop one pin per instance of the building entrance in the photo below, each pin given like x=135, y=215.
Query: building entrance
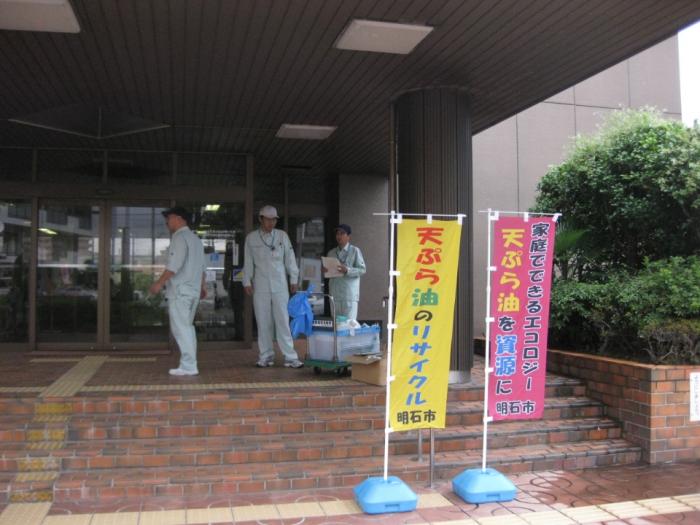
x=94, y=263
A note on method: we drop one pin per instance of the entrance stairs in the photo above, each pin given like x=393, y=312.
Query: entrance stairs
x=200, y=443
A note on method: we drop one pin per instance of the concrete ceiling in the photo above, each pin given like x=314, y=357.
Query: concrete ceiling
x=225, y=74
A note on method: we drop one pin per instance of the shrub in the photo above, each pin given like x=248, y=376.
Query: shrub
x=652, y=315
x=634, y=188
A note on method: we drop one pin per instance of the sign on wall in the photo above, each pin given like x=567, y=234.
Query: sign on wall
x=695, y=396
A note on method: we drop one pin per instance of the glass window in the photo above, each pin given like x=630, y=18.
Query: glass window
x=15, y=246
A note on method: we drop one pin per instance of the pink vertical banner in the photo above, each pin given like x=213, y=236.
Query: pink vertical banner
x=520, y=289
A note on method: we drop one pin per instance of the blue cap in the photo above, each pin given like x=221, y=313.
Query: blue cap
x=344, y=227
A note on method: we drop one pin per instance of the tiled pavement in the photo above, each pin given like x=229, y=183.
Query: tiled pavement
x=632, y=495
x=614, y=495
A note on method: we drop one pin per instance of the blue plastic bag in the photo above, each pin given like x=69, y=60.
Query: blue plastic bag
x=300, y=311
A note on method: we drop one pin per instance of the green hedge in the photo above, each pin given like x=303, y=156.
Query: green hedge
x=653, y=315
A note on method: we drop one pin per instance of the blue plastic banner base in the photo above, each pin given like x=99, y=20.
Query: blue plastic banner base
x=483, y=486
x=379, y=495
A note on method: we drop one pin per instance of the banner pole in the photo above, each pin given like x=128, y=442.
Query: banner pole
x=487, y=369
x=389, y=337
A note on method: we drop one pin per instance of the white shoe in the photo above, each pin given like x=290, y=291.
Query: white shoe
x=264, y=364
x=293, y=364
x=181, y=372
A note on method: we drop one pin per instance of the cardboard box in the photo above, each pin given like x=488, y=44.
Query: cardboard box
x=368, y=368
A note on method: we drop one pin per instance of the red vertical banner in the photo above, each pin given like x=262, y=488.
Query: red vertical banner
x=520, y=289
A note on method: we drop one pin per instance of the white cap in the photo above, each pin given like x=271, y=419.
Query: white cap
x=269, y=212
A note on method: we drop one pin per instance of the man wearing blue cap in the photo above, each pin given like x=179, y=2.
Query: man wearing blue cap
x=345, y=289
x=185, y=285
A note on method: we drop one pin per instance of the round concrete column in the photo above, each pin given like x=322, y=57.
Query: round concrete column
x=432, y=173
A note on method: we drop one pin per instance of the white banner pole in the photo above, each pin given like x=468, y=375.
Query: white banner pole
x=394, y=220
x=492, y=216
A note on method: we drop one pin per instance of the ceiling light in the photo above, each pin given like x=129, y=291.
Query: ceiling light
x=48, y=231
x=382, y=37
x=54, y=16
x=304, y=131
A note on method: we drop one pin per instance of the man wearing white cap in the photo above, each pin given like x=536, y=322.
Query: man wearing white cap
x=268, y=260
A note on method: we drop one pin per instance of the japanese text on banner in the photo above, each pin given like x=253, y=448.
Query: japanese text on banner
x=520, y=290
x=427, y=258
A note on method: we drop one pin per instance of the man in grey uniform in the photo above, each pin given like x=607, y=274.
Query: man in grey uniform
x=345, y=289
x=268, y=260
x=184, y=275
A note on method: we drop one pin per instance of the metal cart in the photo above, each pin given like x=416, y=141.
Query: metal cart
x=340, y=368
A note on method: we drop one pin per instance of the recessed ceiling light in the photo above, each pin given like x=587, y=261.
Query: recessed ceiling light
x=54, y=16
x=382, y=37
x=305, y=131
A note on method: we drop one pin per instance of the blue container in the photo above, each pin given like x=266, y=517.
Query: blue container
x=483, y=486
x=378, y=496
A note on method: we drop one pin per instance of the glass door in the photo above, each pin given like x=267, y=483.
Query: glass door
x=68, y=252
x=220, y=317
x=138, y=244
x=96, y=262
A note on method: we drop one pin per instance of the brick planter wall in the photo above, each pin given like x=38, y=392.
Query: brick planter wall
x=651, y=401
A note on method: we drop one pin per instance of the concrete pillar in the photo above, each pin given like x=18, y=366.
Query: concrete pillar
x=433, y=174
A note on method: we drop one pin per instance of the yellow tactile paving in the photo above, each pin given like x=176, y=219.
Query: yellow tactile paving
x=73, y=380
x=131, y=360
x=665, y=505
x=550, y=517
x=33, y=464
x=429, y=501
x=588, y=514
x=627, y=509
x=36, y=476
x=46, y=445
x=20, y=389
x=339, y=508
x=306, y=509
x=52, y=409
x=455, y=522
x=68, y=519
x=690, y=499
x=55, y=359
x=163, y=517
x=54, y=434
x=255, y=512
x=502, y=519
x=50, y=418
x=32, y=497
x=213, y=515
x=213, y=386
x=24, y=513
x=116, y=518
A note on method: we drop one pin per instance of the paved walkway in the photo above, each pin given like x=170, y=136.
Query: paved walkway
x=613, y=496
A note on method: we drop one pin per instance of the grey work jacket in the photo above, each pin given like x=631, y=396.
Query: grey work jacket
x=268, y=260
x=347, y=287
